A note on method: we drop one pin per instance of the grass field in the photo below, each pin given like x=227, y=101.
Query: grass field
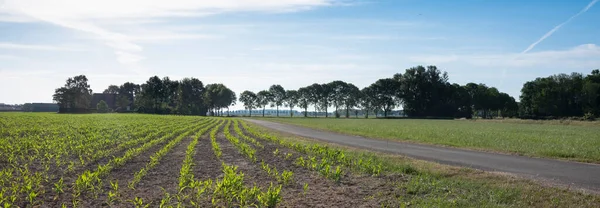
x=573, y=142
x=115, y=160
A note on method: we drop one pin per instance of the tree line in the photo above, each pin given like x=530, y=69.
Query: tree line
x=188, y=96
x=561, y=96
x=420, y=91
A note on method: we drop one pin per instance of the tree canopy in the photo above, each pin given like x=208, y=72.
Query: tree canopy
x=75, y=95
x=420, y=91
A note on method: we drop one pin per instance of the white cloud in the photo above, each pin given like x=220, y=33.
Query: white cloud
x=81, y=9
x=384, y=37
x=581, y=56
x=16, y=46
x=15, y=18
x=84, y=16
x=128, y=58
x=9, y=57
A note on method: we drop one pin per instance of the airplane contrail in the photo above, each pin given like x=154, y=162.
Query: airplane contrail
x=549, y=33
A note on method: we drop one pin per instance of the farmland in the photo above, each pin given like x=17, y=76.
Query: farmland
x=577, y=141
x=122, y=160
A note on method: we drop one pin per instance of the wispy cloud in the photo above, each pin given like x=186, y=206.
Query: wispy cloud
x=84, y=16
x=583, y=56
x=9, y=57
x=549, y=33
x=17, y=46
x=384, y=37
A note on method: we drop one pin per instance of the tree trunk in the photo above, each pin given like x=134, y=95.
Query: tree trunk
x=326, y=114
x=291, y=112
x=277, y=111
x=336, y=112
x=263, y=111
x=367, y=114
x=250, y=112
x=347, y=112
x=305, y=112
x=227, y=111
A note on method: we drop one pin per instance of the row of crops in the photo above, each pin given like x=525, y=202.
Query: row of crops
x=74, y=161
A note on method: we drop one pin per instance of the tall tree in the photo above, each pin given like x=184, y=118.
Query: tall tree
x=218, y=96
x=250, y=100
x=190, y=97
x=424, y=91
x=304, y=99
x=171, y=87
x=316, y=92
x=122, y=102
x=75, y=94
x=264, y=98
x=351, y=98
x=338, y=94
x=292, y=98
x=130, y=90
x=325, y=98
x=278, y=96
x=153, y=92
x=385, y=94
x=112, y=89
x=591, y=94
x=229, y=99
x=368, y=100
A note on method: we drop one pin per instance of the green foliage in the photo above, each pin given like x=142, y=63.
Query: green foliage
x=76, y=93
x=242, y=147
x=250, y=100
x=272, y=197
x=573, y=142
x=102, y=107
x=218, y=96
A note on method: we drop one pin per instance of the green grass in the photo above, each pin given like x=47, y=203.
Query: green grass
x=429, y=184
x=572, y=142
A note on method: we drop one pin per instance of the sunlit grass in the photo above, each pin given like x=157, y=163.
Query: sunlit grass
x=573, y=142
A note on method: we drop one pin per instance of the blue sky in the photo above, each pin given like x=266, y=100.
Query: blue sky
x=251, y=44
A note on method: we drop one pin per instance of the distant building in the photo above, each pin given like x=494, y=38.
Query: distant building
x=110, y=99
x=40, y=107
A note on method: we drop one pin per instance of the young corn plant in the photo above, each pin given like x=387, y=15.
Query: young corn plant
x=113, y=194
x=272, y=197
x=242, y=147
x=288, y=156
x=239, y=131
x=59, y=186
x=213, y=140
x=287, y=177
x=138, y=202
x=185, y=175
x=304, y=188
x=155, y=159
x=337, y=175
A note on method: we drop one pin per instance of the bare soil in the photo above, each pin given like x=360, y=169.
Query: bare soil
x=354, y=190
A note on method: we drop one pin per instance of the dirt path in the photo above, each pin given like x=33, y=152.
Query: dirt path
x=581, y=175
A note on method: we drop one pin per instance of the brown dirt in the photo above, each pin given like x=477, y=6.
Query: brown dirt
x=352, y=191
x=122, y=174
x=206, y=166
x=164, y=176
x=253, y=174
x=69, y=177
